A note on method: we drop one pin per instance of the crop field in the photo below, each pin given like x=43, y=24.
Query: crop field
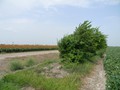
x=23, y=48
x=112, y=67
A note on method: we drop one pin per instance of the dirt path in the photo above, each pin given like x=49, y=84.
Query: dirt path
x=12, y=55
x=96, y=80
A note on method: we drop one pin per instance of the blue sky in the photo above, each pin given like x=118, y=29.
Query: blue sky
x=46, y=21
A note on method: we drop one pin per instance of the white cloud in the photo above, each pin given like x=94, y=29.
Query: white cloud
x=17, y=4
x=52, y=3
x=17, y=21
x=16, y=25
x=78, y=3
x=17, y=7
x=28, y=4
x=9, y=29
x=109, y=2
x=22, y=21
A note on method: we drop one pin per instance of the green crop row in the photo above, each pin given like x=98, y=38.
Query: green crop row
x=112, y=68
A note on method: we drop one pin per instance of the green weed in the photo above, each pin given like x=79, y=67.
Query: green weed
x=30, y=62
x=16, y=65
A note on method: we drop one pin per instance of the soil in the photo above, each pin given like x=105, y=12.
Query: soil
x=28, y=88
x=22, y=54
x=96, y=80
x=54, y=70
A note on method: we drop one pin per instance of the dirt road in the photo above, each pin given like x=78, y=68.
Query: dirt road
x=12, y=55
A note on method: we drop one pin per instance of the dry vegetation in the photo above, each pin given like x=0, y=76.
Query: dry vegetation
x=22, y=48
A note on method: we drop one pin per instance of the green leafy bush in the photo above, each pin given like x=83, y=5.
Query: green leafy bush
x=16, y=66
x=83, y=44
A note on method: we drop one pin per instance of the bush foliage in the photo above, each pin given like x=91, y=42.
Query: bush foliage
x=83, y=44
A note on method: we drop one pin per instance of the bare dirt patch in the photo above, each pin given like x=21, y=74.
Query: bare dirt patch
x=54, y=70
x=28, y=88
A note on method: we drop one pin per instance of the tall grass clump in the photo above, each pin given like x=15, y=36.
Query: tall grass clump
x=8, y=86
x=16, y=65
x=30, y=63
x=85, y=42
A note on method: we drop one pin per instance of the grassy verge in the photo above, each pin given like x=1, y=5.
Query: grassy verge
x=112, y=68
x=32, y=77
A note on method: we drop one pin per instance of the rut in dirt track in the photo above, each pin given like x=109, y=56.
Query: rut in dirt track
x=96, y=80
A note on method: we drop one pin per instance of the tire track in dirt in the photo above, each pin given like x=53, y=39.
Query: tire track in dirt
x=96, y=80
x=21, y=54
